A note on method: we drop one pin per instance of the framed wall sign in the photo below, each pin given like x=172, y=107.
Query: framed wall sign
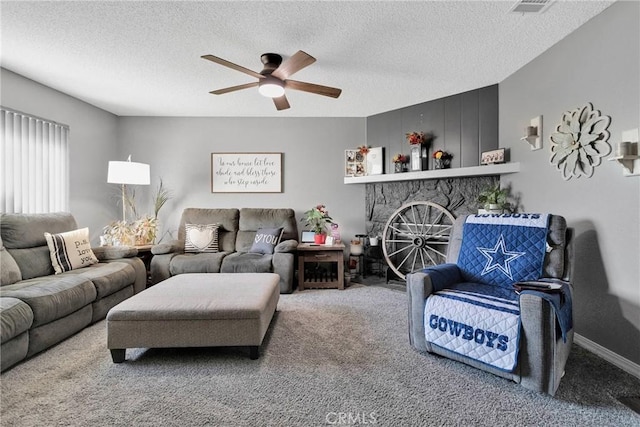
x=246, y=172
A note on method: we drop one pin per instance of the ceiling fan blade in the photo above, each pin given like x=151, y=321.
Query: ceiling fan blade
x=313, y=88
x=234, y=88
x=281, y=103
x=295, y=63
x=232, y=66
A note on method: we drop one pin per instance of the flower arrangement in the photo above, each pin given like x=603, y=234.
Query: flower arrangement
x=363, y=149
x=416, y=138
x=400, y=158
x=143, y=230
x=440, y=154
x=318, y=218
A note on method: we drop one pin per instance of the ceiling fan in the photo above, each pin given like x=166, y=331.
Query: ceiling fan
x=274, y=77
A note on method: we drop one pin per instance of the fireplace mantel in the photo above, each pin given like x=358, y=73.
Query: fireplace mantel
x=487, y=170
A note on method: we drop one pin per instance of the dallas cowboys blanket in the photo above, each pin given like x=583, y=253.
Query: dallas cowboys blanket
x=477, y=321
x=503, y=249
x=480, y=318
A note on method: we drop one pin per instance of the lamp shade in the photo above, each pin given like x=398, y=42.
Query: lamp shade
x=128, y=173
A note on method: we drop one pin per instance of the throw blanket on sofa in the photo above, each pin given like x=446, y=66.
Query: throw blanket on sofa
x=501, y=249
x=478, y=321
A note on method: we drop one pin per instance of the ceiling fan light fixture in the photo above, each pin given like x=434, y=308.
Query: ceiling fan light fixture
x=271, y=87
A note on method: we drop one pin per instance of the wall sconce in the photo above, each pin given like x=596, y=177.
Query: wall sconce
x=627, y=153
x=128, y=172
x=533, y=133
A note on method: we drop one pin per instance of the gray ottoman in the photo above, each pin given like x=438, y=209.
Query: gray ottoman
x=196, y=310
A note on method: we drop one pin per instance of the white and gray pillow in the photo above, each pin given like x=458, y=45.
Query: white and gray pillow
x=201, y=238
x=70, y=250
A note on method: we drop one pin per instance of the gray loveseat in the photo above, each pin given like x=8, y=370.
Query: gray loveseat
x=236, y=233
x=39, y=308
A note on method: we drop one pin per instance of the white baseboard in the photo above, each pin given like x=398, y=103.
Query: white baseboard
x=608, y=355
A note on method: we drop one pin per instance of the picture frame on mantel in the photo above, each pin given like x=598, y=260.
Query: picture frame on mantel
x=246, y=172
x=375, y=161
x=354, y=163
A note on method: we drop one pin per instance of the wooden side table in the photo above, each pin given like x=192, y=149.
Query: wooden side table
x=332, y=255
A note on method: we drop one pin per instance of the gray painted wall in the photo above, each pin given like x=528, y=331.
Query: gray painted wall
x=92, y=144
x=598, y=63
x=179, y=150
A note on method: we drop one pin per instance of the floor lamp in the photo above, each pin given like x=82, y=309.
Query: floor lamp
x=128, y=173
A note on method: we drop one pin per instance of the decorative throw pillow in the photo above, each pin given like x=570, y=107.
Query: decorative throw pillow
x=201, y=238
x=266, y=239
x=70, y=250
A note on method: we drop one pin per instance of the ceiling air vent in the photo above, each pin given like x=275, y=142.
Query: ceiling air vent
x=531, y=6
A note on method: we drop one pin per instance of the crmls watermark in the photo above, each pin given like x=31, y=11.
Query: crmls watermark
x=351, y=418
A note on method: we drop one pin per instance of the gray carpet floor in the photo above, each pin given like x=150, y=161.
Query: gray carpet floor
x=330, y=358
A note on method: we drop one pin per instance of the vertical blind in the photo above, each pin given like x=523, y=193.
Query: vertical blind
x=34, y=157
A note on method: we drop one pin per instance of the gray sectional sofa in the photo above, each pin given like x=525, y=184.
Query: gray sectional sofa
x=236, y=233
x=39, y=308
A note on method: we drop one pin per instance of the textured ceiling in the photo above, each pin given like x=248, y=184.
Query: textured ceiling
x=143, y=58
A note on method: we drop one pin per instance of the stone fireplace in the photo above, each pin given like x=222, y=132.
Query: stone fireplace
x=383, y=199
x=457, y=195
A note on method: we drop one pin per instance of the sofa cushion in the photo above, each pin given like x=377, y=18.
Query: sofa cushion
x=23, y=236
x=16, y=317
x=27, y=230
x=52, y=297
x=247, y=263
x=251, y=219
x=108, y=277
x=33, y=262
x=70, y=250
x=9, y=270
x=196, y=263
x=200, y=238
x=265, y=240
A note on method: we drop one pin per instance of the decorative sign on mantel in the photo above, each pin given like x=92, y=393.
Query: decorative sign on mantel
x=246, y=172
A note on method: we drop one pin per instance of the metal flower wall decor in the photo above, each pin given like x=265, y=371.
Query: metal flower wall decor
x=580, y=142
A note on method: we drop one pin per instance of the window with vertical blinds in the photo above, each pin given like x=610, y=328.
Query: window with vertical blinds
x=34, y=156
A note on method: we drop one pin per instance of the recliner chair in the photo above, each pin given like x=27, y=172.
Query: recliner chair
x=545, y=330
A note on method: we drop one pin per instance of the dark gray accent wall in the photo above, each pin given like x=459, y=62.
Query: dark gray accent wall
x=464, y=125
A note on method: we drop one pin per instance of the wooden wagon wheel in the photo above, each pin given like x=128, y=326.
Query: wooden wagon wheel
x=416, y=236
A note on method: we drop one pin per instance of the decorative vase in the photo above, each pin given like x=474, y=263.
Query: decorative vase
x=319, y=239
x=441, y=163
x=398, y=167
x=356, y=248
